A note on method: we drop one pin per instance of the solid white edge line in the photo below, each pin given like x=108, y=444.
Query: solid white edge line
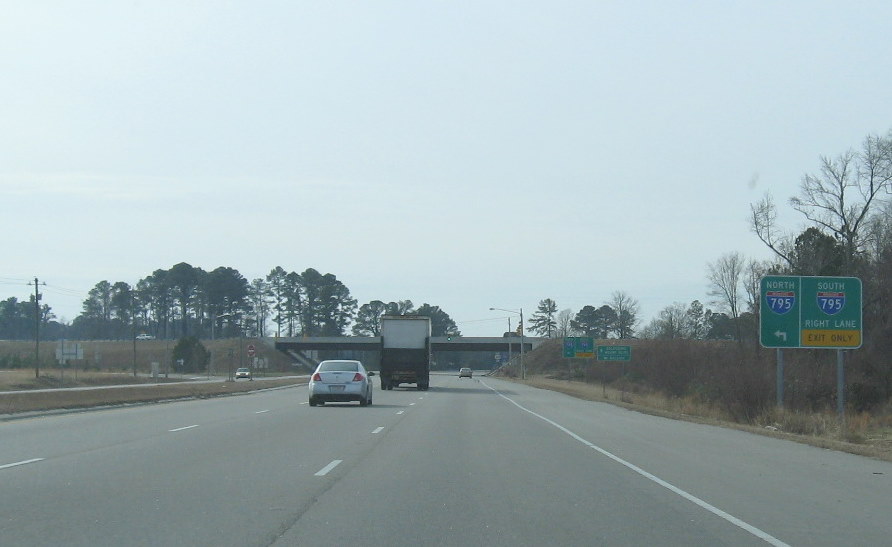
x=765, y=536
x=325, y=470
x=182, y=428
x=378, y=430
x=23, y=462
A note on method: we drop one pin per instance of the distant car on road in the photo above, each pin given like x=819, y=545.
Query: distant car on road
x=341, y=381
x=465, y=372
x=243, y=373
x=144, y=337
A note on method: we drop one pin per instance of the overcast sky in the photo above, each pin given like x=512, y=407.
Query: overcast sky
x=464, y=154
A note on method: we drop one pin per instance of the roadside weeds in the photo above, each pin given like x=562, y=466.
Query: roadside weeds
x=881, y=450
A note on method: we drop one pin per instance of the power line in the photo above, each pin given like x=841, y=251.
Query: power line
x=62, y=290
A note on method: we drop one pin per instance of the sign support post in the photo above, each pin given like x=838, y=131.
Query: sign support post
x=780, y=378
x=841, y=387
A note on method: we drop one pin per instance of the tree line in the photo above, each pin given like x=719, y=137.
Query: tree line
x=619, y=318
x=189, y=301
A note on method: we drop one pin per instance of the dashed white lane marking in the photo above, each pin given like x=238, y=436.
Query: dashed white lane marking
x=411, y=404
x=764, y=536
x=261, y=412
x=23, y=462
x=378, y=430
x=400, y=412
x=325, y=470
x=182, y=428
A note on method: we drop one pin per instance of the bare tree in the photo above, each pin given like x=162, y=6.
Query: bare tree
x=724, y=276
x=763, y=221
x=626, y=309
x=840, y=197
x=880, y=238
x=564, y=318
x=672, y=322
x=753, y=273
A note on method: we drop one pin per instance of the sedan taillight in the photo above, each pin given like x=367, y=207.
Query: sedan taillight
x=317, y=377
x=358, y=377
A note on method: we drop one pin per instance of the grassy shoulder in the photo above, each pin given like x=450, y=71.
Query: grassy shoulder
x=26, y=394
x=861, y=436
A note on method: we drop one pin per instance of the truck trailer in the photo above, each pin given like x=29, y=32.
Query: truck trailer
x=406, y=351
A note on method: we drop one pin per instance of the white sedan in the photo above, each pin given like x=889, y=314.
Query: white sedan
x=341, y=381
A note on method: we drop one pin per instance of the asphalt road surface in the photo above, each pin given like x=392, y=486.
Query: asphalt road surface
x=470, y=462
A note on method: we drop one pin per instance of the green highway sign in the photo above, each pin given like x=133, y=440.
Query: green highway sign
x=810, y=312
x=585, y=346
x=570, y=347
x=579, y=347
x=614, y=353
x=779, y=300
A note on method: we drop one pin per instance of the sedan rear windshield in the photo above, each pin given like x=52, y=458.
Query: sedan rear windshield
x=339, y=365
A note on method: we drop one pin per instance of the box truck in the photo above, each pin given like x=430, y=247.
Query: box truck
x=406, y=351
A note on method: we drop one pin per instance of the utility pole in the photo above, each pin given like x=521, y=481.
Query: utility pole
x=37, y=327
x=133, y=329
x=523, y=370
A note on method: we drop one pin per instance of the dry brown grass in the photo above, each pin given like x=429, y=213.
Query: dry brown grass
x=863, y=435
x=119, y=355
x=24, y=379
x=110, y=363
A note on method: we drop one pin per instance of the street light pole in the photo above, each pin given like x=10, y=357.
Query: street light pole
x=229, y=316
x=523, y=372
x=509, y=340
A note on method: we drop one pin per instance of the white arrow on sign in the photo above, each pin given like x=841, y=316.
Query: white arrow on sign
x=782, y=335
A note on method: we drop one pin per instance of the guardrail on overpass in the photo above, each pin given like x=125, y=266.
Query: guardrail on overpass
x=438, y=343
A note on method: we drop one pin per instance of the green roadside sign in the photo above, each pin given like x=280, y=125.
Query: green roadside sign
x=780, y=301
x=570, y=347
x=810, y=312
x=579, y=347
x=614, y=353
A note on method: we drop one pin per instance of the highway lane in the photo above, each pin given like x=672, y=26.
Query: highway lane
x=480, y=462
x=224, y=471
x=472, y=469
x=807, y=495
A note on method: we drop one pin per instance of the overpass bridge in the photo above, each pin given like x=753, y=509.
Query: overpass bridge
x=297, y=346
